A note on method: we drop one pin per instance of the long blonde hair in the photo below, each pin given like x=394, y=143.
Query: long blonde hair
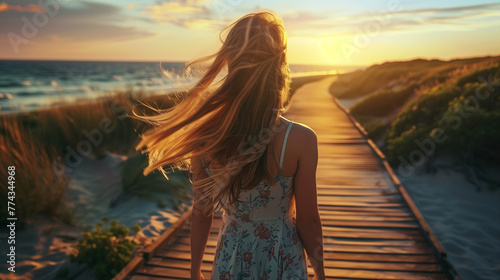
x=229, y=122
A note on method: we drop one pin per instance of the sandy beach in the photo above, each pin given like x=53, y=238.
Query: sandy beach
x=465, y=221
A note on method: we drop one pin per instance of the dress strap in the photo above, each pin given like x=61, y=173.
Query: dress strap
x=282, y=149
x=284, y=144
x=206, y=169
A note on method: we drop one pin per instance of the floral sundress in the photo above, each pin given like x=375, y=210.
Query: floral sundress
x=258, y=239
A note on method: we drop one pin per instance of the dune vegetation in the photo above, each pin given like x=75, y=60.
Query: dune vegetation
x=420, y=110
x=36, y=188
x=43, y=144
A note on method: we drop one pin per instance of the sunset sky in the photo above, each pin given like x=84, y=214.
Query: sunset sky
x=330, y=32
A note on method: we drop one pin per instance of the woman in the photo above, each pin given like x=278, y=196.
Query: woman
x=230, y=133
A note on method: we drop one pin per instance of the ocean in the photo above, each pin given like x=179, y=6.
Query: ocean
x=29, y=85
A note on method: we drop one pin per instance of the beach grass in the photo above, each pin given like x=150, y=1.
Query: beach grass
x=37, y=189
x=43, y=144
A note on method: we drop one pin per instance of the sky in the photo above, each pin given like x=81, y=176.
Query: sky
x=327, y=32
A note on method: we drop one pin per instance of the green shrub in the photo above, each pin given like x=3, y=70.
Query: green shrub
x=383, y=102
x=470, y=130
x=375, y=129
x=107, y=250
x=467, y=112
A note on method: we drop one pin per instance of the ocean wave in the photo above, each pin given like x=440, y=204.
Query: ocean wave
x=100, y=79
x=12, y=107
x=9, y=84
x=5, y=96
x=30, y=93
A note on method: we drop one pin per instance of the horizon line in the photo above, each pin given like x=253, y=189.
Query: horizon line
x=313, y=64
x=171, y=61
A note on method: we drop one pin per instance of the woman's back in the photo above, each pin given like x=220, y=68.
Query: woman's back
x=258, y=236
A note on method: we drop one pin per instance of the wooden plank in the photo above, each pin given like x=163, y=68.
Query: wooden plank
x=333, y=230
x=394, y=266
x=375, y=148
x=130, y=268
x=336, y=256
x=177, y=273
x=366, y=214
x=391, y=173
x=322, y=202
x=374, y=199
x=386, y=275
x=168, y=236
x=330, y=240
x=377, y=224
x=350, y=192
x=143, y=277
x=378, y=217
x=395, y=235
x=332, y=248
x=324, y=186
x=366, y=209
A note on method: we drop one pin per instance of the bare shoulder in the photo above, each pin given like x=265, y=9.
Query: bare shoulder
x=304, y=135
x=303, y=140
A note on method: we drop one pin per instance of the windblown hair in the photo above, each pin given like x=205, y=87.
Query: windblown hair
x=229, y=122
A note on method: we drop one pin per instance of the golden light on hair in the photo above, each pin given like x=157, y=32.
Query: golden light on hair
x=229, y=121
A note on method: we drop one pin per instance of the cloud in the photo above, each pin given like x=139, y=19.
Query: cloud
x=457, y=9
x=311, y=24
x=31, y=8
x=184, y=13
x=74, y=23
x=83, y=21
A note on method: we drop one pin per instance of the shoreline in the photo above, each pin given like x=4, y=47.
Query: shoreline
x=299, y=78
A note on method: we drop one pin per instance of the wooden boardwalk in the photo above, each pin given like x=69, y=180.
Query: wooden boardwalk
x=371, y=228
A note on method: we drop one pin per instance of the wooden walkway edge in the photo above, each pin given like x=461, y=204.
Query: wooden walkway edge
x=424, y=227
x=371, y=227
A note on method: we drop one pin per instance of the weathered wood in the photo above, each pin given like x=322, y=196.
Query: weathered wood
x=371, y=228
x=365, y=214
x=136, y=262
x=344, y=256
x=329, y=217
x=179, y=273
x=333, y=248
x=375, y=265
x=168, y=236
x=335, y=241
x=369, y=209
